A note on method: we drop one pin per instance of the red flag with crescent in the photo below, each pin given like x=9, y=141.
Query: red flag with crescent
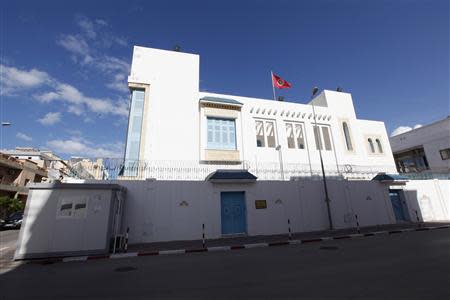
x=279, y=82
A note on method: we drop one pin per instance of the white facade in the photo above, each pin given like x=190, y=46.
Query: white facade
x=424, y=149
x=168, y=128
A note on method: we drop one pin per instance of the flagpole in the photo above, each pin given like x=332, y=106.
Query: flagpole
x=273, y=87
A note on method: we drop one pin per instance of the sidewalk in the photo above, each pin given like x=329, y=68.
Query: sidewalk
x=248, y=242
x=240, y=241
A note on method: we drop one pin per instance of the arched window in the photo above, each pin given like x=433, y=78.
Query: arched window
x=348, y=141
x=372, y=148
x=380, y=148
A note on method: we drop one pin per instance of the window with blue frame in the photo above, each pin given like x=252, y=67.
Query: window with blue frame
x=134, y=133
x=221, y=134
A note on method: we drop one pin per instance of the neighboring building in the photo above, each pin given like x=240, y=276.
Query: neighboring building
x=423, y=150
x=15, y=174
x=88, y=169
x=55, y=166
x=177, y=132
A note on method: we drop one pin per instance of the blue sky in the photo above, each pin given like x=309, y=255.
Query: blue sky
x=64, y=63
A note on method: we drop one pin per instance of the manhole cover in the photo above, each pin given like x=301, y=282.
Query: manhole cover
x=329, y=248
x=124, y=269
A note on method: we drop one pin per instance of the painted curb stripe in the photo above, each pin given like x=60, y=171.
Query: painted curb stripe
x=237, y=247
x=280, y=243
x=123, y=255
x=178, y=251
x=256, y=245
x=355, y=235
x=379, y=232
x=226, y=248
x=196, y=250
x=147, y=253
x=341, y=237
x=97, y=257
x=295, y=242
x=395, y=231
x=311, y=240
x=422, y=229
x=78, y=258
x=219, y=248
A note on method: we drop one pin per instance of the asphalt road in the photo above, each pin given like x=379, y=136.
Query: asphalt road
x=413, y=265
x=8, y=244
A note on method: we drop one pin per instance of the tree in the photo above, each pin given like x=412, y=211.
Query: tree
x=9, y=205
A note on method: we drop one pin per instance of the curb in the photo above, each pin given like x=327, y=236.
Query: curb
x=233, y=247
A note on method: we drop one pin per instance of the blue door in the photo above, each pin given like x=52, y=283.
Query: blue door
x=397, y=205
x=233, y=212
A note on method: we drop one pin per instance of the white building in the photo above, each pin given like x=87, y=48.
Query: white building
x=177, y=132
x=425, y=149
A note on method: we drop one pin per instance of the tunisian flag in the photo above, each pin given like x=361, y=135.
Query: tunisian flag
x=279, y=82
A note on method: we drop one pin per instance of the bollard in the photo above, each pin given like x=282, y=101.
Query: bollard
x=125, y=247
x=357, y=224
x=289, y=229
x=203, y=236
x=417, y=217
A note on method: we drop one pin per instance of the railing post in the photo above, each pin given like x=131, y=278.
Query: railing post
x=417, y=217
x=125, y=248
x=289, y=229
x=203, y=236
x=357, y=224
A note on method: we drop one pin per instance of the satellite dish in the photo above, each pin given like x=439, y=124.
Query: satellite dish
x=339, y=89
x=315, y=90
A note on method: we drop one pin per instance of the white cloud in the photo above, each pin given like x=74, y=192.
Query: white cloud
x=50, y=118
x=13, y=79
x=80, y=147
x=87, y=26
x=119, y=83
x=24, y=137
x=76, y=110
x=77, y=100
x=403, y=129
x=77, y=46
x=92, y=54
x=101, y=22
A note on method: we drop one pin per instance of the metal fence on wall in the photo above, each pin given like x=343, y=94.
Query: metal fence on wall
x=194, y=170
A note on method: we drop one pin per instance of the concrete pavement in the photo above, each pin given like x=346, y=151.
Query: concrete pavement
x=411, y=265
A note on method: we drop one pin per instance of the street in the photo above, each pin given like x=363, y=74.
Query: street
x=412, y=265
x=7, y=244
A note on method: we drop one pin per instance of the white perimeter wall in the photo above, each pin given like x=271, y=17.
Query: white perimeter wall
x=431, y=199
x=175, y=210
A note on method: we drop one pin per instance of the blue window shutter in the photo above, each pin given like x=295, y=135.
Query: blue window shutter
x=221, y=134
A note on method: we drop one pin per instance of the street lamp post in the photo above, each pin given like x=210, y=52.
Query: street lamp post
x=280, y=157
x=319, y=145
x=4, y=124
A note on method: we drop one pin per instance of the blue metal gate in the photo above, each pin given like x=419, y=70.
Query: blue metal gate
x=233, y=212
x=397, y=205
